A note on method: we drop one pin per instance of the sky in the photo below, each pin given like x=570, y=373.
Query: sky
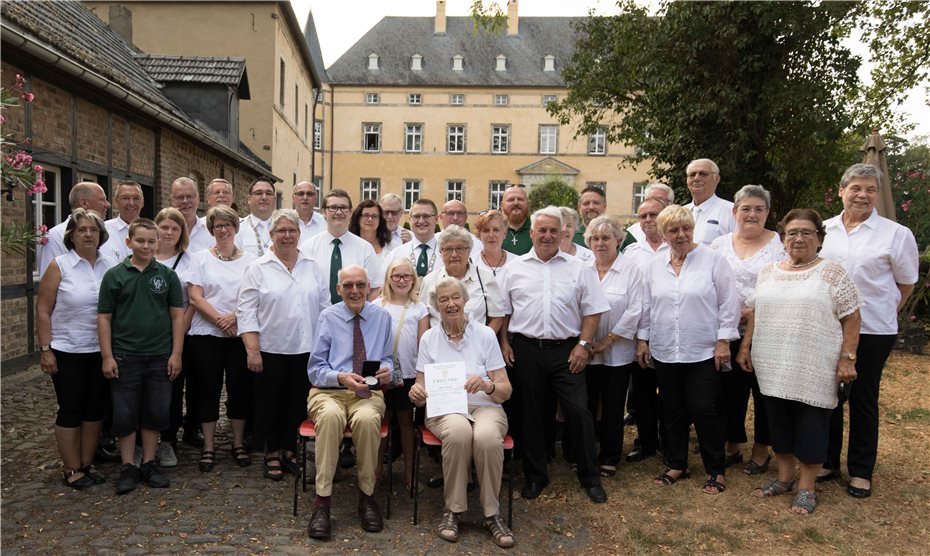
x=340, y=23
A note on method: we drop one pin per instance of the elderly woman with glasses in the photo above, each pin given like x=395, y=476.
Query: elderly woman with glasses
x=280, y=300
x=478, y=436
x=66, y=325
x=484, y=292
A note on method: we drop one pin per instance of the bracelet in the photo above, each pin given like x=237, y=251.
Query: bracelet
x=493, y=388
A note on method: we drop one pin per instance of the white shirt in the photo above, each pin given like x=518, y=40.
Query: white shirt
x=643, y=254
x=316, y=225
x=478, y=349
x=746, y=271
x=712, y=219
x=115, y=246
x=182, y=269
x=497, y=271
x=220, y=281
x=254, y=235
x=547, y=300
x=484, y=294
x=583, y=253
x=878, y=254
x=636, y=231
x=353, y=249
x=74, y=318
x=200, y=237
x=407, y=346
x=411, y=251
x=54, y=247
x=684, y=315
x=623, y=287
x=283, y=307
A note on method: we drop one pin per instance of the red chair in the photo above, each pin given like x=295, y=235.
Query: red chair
x=307, y=431
x=429, y=439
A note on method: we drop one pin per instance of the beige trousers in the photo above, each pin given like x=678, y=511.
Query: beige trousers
x=462, y=441
x=330, y=410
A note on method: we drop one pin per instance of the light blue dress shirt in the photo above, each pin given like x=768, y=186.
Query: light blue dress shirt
x=333, y=351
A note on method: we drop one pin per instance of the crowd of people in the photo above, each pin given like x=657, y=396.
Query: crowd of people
x=565, y=321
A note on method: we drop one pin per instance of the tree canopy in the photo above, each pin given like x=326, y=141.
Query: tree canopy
x=553, y=191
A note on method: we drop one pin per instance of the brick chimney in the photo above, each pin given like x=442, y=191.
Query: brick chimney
x=440, y=26
x=513, y=21
x=121, y=21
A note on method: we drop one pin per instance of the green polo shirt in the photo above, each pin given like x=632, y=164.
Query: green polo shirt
x=518, y=242
x=627, y=241
x=579, y=236
x=140, y=303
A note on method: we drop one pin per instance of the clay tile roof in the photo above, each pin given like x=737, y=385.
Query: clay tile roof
x=197, y=69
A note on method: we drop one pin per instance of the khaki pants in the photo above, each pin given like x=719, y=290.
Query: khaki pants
x=463, y=440
x=330, y=410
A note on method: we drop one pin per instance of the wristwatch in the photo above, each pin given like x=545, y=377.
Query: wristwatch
x=43, y=349
x=585, y=344
x=850, y=356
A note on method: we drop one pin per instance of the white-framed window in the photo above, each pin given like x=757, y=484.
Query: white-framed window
x=371, y=137
x=373, y=61
x=501, y=100
x=411, y=192
x=500, y=139
x=319, y=95
x=318, y=182
x=549, y=62
x=416, y=62
x=372, y=98
x=456, y=138
x=413, y=138
x=414, y=99
x=500, y=63
x=457, y=99
x=48, y=205
x=496, y=190
x=546, y=99
x=639, y=195
x=455, y=190
x=370, y=189
x=317, y=135
x=548, y=139
x=306, y=119
x=597, y=141
x=457, y=63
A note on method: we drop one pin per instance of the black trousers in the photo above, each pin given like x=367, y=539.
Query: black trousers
x=608, y=385
x=737, y=385
x=280, y=400
x=183, y=391
x=645, y=391
x=692, y=391
x=862, y=452
x=215, y=357
x=534, y=369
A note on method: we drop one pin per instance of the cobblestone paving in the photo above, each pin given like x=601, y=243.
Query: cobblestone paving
x=229, y=510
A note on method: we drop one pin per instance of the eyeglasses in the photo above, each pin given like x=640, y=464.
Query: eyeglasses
x=369, y=216
x=305, y=194
x=392, y=213
x=223, y=227
x=340, y=208
x=702, y=173
x=87, y=231
x=456, y=250
x=422, y=216
x=805, y=234
x=401, y=277
x=454, y=213
x=287, y=232
x=183, y=197
x=262, y=194
x=646, y=215
x=354, y=285
x=134, y=199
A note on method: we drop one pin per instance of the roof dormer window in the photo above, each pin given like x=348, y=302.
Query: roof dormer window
x=549, y=63
x=501, y=63
x=457, y=62
x=373, y=61
x=416, y=62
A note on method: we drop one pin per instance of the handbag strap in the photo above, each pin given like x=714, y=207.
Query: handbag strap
x=400, y=325
x=487, y=317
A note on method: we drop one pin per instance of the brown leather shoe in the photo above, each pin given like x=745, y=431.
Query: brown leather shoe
x=319, y=526
x=370, y=515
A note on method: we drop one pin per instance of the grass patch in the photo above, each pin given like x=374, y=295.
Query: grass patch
x=811, y=534
x=649, y=542
x=732, y=542
x=917, y=414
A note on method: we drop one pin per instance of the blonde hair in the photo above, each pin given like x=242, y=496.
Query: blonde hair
x=673, y=214
x=388, y=295
x=173, y=214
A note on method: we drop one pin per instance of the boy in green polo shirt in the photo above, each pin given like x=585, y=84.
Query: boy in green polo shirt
x=140, y=320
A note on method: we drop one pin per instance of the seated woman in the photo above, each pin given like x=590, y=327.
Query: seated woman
x=482, y=435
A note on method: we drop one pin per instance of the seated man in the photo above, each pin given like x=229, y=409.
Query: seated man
x=350, y=332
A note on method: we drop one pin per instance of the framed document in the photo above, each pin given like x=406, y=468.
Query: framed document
x=445, y=388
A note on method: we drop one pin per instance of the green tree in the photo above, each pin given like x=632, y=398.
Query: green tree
x=553, y=191
x=762, y=88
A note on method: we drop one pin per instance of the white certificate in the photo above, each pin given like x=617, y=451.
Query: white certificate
x=445, y=388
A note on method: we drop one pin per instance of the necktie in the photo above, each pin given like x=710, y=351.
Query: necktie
x=335, y=265
x=423, y=262
x=358, y=346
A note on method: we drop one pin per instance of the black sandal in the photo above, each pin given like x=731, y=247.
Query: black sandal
x=78, y=484
x=712, y=482
x=290, y=465
x=753, y=468
x=273, y=472
x=207, y=460
x=241, y=456
x=607, y=470
x=97, y=477
x=667, y=480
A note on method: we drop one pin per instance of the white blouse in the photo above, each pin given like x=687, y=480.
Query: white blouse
x=182, y=269
x=497, y=271
x=623, y=286
x=747, y=270
x=484, y=294
x=407, y=345
x=685, y=314
x=283, y=307
x=798, y=336
x=220, y=281
x=478, y=348
x=74, y=318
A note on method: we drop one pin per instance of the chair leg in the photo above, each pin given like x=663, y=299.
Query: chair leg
x=510, y=491
x=297, y=479
x=390, y=472
x=416, y=477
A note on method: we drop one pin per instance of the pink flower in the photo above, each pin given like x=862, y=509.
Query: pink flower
x=38, y=168
x=43, y=229
x=913, y=318
x=39, y=187
x=28, y=97
x=19, y=79
x=906, y=205
x=2, y=119
x=20, y=159
x=42, y=241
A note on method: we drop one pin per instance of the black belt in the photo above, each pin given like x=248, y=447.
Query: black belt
x=546, y=344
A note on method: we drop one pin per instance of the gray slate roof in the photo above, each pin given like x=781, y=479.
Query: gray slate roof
x=396, y=39
x=313, y=45
x=166, y=68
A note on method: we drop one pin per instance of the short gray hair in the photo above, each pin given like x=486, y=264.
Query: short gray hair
x=569, y=215
x=454, y=233
x=713, y=165
x=861, y=170
x=284, y=214
x=392, y=198
x=220, y=181
x=447, y=281
x=550, y=211
x=82, y=191
x=748, y=191
x=669, y=192
x=345, y=269
x=601, y=224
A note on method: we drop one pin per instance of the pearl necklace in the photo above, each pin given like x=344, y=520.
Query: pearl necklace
x=802, y=265
x=222, y=257
x=459, y=334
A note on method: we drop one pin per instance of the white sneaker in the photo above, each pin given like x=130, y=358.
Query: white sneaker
x=137, y=457
x=165, y=455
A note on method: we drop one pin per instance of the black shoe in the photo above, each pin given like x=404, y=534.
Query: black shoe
x=346, y=457
x=97, y=477
x=532, y=490
x=629, y=420
x=857, y=492
x=639, y=454
x=436, y=482
x=153, y=476
x=194, y=438
x=831, y=476
x=128, y=479
x=596, y=494
x=80, y=483
x=320, y=526
x=107, y=451
x=370, y=515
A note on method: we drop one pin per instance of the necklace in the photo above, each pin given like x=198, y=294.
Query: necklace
x=222, y=257
x=458, y=334
x=802, y=265
x=500, y=262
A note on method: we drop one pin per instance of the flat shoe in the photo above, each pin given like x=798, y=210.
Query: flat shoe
x=805, y=500
x=448, y=529
x=319, y=526
x=753, y=468
x=831, y=476
x=241, y=456
x=608, y=470
x=857, y=492
x=733, y=459
x=667, y=480
x=78, y=484
x=273, y=472
x=712, y=482
x=97, y=477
